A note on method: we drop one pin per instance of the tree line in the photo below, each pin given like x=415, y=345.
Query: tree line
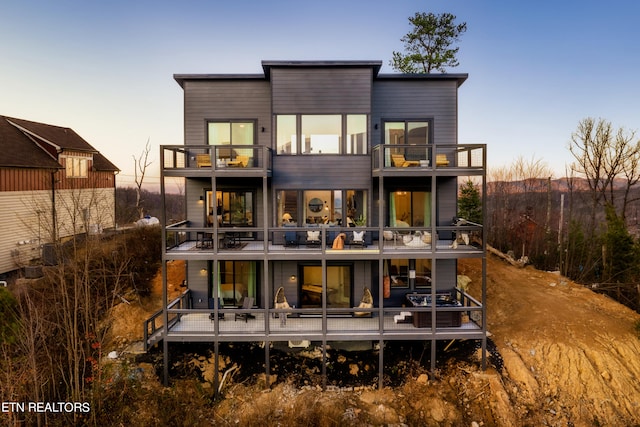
x=584, y=225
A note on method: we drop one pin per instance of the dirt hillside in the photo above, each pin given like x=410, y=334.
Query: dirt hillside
x=568, y=357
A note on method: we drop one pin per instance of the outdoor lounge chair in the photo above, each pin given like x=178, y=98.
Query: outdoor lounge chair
x=203, y=160
x=441, y=160
x=247, y=304
x=239, y=162
x=400, y=162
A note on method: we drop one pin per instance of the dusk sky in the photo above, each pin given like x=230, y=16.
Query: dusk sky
x=105, y=69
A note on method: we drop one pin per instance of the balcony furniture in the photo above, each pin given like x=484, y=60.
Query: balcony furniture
x=204, y=240
x=400, y=162
x=357, y=239
x=239, y=162
x=290, y=236
x=441, y=160
x=338, y=242
x=365, y=302
x=203, y=160
x=212, y=316
x=280, y=302
x=247, y=304
x=313, y=238
x=231, y=239
x=444, y=319
x=418, y=239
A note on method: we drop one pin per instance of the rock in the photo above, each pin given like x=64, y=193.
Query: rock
x=353, y=369
x=423, y=379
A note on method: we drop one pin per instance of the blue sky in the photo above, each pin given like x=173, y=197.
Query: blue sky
x=106, y=69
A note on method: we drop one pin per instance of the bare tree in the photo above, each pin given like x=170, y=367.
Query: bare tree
x=140, y=169
x=603, y=156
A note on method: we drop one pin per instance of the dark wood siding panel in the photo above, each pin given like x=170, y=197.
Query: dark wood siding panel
x=418, y=99
x=24, y=179
x=321, y=91
x=322, y=172
x=226, y=100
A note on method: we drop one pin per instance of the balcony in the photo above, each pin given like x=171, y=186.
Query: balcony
x=407, y=160
x=222, y=160
x=316, y=324
x=185, y=241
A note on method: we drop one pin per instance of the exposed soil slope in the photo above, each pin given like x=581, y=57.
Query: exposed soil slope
x=567, y=351
x=569, y=357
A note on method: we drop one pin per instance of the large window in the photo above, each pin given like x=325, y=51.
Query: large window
x=232, y=208
x=407, y=132
x=318, y=134
x=410, y=209
x=236, y=280
x=231, y=132
x=332, y=207
x=286, y=134
x=339, y=285
x=409, y=273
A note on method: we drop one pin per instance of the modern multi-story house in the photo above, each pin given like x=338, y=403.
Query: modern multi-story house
x=53, y=184
x=321, y=207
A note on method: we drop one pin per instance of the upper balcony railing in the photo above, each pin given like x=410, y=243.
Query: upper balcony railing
x=394, y=157
x=216, y=157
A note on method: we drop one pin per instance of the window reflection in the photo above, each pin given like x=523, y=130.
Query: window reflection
x=321, y=134
x=410, y=209
x=339, y=286
x=286, y=134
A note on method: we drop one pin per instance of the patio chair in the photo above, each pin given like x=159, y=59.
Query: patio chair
x=313, y=238
x=203, y=160
x=441, y=160
x=291, y=236
x=239, y=162
x=357, y=239
x=212, y=316
x=400, y=162
x=247, y=304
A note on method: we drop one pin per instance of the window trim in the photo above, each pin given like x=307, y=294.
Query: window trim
x=75, y=165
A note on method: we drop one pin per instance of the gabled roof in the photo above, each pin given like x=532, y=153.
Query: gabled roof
x=28, y=144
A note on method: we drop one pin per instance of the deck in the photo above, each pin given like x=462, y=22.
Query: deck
x=196, y=326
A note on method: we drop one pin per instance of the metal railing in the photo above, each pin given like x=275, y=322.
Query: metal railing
x=401, y=156
x=216, y=157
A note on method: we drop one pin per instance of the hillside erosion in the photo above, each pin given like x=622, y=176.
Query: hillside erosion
x=567, y=351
